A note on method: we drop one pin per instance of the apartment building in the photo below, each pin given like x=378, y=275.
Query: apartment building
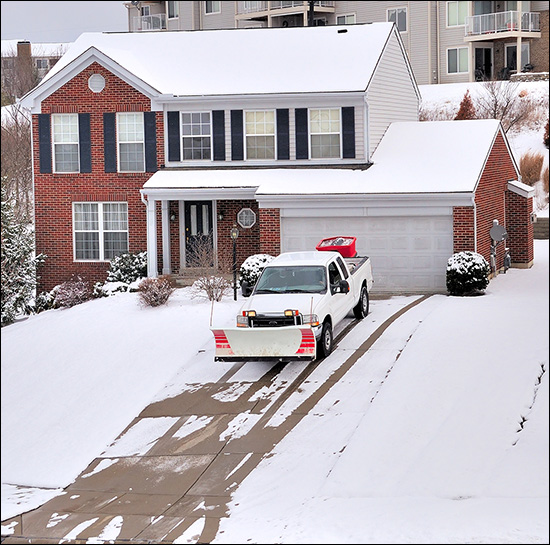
x=447, y=42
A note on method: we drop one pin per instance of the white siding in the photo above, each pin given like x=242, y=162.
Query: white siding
x=391, y=94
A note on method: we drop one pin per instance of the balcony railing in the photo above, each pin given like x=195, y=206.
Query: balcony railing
x=505, y=21
x=149, y=22
x=256, y=7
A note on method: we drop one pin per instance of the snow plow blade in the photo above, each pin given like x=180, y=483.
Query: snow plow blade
x=264, y=344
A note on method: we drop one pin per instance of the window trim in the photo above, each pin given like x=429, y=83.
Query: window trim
x=101, y=231
x=458, y=72
x=176, y=10
x=509, y=46
x=182, y=136
x=311, y=134
x=447, y=25
x=396, y=18
x=252, y=213
x=212, y=12
x=53, y=143
x=118, y=154
x=245, y=135
x=345, y=15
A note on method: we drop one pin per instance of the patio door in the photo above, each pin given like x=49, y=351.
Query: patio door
x=199, y=241
x=483, y=63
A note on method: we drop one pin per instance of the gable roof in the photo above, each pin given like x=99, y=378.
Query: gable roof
x=240, y=61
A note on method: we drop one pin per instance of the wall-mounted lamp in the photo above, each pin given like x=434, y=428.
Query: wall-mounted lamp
x=220, y=216
x=172, y=217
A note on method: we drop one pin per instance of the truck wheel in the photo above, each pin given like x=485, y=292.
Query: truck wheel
x=325, y=342
x=361, y=309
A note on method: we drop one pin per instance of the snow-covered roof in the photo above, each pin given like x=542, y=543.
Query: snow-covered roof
x=242, y=61
x=412, y=158
x=9, y=47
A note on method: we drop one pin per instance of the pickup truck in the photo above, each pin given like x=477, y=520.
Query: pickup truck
x=298, y=300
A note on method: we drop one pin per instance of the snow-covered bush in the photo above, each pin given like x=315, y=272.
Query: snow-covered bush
x=127, y=268
x=72, y=292
x=467, y=273
x=250, y=271
x=213, y=288
x=154, y=292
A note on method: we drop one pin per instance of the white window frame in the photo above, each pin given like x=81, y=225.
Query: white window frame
x=214, y=3
x=246, y=135
x=345, y=17
x=395, y=10
x=100, y=230
x=119, y=142
x=312, y=134
x=243, y=215
x=176, y=9
x=458, y=72
x=202, y=135
x=524, y=44
x=457, y=2
x=73, y=142
x=42, y=64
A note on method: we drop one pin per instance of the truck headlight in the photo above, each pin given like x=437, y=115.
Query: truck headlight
x=242, y=319
x=310, y=319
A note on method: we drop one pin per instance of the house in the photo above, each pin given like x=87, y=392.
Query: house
x=139, y=151
x=447, y=42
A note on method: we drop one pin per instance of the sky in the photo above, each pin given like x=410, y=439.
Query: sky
x=439, y=433
x=60, y=22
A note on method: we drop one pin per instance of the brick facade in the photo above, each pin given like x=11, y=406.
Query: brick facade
x=520, y=229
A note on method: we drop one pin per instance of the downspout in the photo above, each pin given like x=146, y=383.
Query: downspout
x=475, y=222
x=366, y=128
x=438, y=44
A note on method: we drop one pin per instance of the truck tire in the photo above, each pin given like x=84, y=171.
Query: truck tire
x=324, y=346
x=361, y=309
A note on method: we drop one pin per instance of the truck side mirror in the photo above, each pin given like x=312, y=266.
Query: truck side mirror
x=246, y=288
x=344, y=286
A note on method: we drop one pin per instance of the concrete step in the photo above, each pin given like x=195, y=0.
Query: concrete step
x=540, y=228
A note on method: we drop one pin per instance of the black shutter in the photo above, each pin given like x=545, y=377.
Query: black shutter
x=85, y=142
x=109, y=141
x=348, y=132
x=283, y=142
x=302, y=147
x=45, y=143
x=237, y=150
x=218, y=131
x=150, y=125
x=174, y=153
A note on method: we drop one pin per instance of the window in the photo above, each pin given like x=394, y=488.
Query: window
x=399, y=17
x=42, y=64
x=196, y=135
x=345, y=19
x=457, y=60
x=246, y=218
x=325, y=133
x=260, y=134
x=213, y=7
x=65, y=142
x=131, y=145
x=334, y=275
x=512, y=53
x=173, y=10
x=100, y=230
x=456, y=13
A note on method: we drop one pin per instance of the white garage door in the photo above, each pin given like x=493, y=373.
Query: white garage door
x=408, y=254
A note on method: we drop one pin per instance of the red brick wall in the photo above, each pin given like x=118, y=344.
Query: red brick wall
x=463, y=229
x=55, y=193
x=520, y=229
x=270, y=231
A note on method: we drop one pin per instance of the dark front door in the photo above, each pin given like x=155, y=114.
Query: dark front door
x=483, y=63
x=199, y=244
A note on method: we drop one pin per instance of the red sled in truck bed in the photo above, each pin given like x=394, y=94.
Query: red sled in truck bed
x=344, y=245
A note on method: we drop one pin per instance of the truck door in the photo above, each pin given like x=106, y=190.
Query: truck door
x=340, y=303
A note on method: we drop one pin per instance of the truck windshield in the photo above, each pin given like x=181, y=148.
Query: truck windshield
x=309, y=279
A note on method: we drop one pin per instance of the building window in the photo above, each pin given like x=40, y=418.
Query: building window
x=511, y=56
x=42, y=64
x=260, y=134
x=345, y=19
x=131, y=142
x=173, y=10
x=65, y=142
x=196, y=135
x=100, y=230
x=456, y=13
x=213, y=7
x=457, y=60
x=399, y=17
x=324, y=128
x=246, y=218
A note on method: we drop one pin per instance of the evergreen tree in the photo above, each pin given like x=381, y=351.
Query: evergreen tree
x=18, y=262
x=466, y=109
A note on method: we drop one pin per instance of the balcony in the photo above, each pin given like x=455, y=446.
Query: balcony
x=149, y=22
x=254, y=8
x=505, y=24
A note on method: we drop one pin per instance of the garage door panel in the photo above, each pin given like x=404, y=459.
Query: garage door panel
x=408, y=254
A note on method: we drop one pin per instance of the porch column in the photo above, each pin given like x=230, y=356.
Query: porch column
x=166, y=261
x=151, y=238
x=518, y=43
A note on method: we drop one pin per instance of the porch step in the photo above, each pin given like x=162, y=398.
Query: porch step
x=540, y=228
x=187, y=277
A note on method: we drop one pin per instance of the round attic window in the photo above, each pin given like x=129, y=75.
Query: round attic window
x=246, y=218
x=96, y=83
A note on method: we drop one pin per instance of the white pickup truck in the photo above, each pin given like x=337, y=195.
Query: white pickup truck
x=294, y=307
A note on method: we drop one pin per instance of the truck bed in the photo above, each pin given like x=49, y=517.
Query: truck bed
x=354, y=263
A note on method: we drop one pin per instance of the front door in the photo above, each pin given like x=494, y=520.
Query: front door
x=199, y=243
x=483, y=63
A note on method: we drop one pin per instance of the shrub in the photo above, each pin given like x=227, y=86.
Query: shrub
x=467, y=273
x=544, y=179
x=154, y=292
x=44, y=301
x=546, y=137
x=72, y=292
x=211, y=287
x=530, y=167
x=127, y=268
x=466, y=109
x=251, y=269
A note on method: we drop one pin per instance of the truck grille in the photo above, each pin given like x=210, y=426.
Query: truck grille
x=274, y=321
